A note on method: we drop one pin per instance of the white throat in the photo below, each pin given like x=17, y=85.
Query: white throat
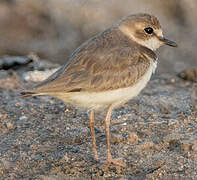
x=151, y=43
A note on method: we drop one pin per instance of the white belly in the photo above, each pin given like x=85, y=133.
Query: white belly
x=115, y=98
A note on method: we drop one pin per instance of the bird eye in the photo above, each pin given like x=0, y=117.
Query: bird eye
x=148, y=30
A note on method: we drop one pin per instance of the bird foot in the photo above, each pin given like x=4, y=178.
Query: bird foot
x=117, y=162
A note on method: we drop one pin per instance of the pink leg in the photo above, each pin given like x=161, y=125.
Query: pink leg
x=118, y=162
x=93, y=134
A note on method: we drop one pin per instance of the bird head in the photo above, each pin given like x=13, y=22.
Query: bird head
x=145, y=30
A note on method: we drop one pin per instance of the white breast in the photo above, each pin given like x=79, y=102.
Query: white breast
x=115, y=98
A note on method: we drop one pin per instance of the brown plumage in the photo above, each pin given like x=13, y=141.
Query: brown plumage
x=101, y=66
x=109, y=69
x=108, y=61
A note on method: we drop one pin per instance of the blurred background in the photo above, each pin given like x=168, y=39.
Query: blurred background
x=53, y=29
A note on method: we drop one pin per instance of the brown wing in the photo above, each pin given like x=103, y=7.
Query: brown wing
x=101, y=66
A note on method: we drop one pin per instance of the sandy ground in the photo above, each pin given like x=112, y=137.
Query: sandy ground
x=43, y=138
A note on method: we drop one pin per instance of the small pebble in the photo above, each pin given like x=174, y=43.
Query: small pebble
x=10, y=126
x=146, y=146
x=172, y=137
x=116, y=138
x=65, y=159
x=189, y=75
x=133, y=138
x=186, y=145
x=194, y=147
x=172, y=80
x=22, y=118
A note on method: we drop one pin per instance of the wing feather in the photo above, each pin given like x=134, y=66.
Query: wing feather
x=100, y=65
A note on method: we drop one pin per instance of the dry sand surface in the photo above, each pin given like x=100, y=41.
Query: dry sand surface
x=43, y=138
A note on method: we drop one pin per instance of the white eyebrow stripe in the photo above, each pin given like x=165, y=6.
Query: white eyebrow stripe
x=153, y=43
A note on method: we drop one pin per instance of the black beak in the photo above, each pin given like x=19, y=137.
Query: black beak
x=168, y=42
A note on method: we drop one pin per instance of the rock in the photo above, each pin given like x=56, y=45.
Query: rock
x=38, y=76
x=8, y=62
x=189, y=75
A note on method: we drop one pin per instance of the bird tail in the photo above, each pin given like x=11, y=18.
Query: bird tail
x=26, y=94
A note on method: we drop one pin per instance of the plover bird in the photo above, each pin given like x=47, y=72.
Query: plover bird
x=108, y=70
